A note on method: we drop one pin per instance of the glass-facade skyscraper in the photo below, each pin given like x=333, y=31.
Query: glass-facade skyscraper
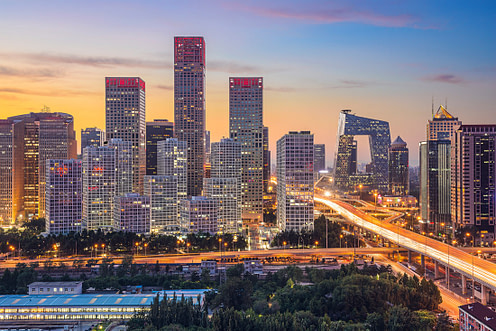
x=246, y=128
x=156, y=131
x=91, y=137
x=125, y=119
x=189, y=105
x=398, y=168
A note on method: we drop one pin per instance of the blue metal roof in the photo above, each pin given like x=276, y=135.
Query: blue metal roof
x=77, y=300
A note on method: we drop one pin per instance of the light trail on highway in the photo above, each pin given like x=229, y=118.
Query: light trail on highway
x=473, y=267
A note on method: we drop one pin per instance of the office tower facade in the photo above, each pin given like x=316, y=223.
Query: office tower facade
x=123, y=165
x=266, y=159
x=189, y=105
x=224, y=186
x=156, y=131
x=246, y=127
x=131, y=213
x=435, y=171
x=93, y=137
x=473, y=186
x=10, y=191
x=162, y=191
x=319, y=157
x=295, y=181
x=198, y=214
x=172, y=161
x=64, y=191
x=42, y=136
x=350, y=125
x=398, y=168
x=99, y=187
x=125, y=119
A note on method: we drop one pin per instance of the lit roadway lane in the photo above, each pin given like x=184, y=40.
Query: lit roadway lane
x=481, y=270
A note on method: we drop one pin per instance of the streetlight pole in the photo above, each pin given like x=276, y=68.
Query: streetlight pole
x=327, y=235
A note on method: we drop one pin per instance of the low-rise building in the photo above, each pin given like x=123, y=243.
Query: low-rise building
x=55, y=288
x=253, y=267
x=210, y=265
x=475, y=316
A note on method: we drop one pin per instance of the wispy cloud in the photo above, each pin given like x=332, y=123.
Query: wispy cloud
x=93, y=61
x=51, y=93
x=330, y=14
x=282, y=89
x=348, y=83
x=165, y=87
x=444, y=78
x=34, y=72
x=233, y=67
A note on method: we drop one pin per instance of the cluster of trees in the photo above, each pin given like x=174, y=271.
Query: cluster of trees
x=17, y=281
x=27, y=241
x=349, y=298
x=317, y=236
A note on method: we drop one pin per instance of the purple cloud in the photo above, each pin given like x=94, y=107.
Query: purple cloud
x=55, y=93
x=328, y=15
x=444, y=78
x=33, y=73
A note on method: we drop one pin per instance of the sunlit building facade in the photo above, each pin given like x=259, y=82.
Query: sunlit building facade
x=156, y=131
x=64, y=192
x=246, y=128
x=189, y=105
x=266, y=159
x=125, y=119
x=295, y=185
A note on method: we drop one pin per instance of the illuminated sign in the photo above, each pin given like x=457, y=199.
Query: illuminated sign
x=125, y=82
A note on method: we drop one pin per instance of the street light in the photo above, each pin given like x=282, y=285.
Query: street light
x=375, y=202
x=103, y=249
x=146, y=245
x=468, y=234
x=340, y=237
x=136, y=244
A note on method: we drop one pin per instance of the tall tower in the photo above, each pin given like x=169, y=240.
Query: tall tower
x=189, y=105
x=156, y=131
x=295, y=181
x=266, y=159
x=172, y=161
x=246, y=127
x=125, y=119
x=91, y=137
x=435, y=170
x=398, y=167
x=319, y=157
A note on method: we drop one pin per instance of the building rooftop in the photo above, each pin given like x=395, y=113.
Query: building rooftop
x=398, y=142
x=482, y=313
x=78, y=300
x=442, y=114
x=52, y=284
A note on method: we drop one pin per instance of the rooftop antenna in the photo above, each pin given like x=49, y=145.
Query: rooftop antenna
x=432, y=107
x=45, y=109
x=446, y=103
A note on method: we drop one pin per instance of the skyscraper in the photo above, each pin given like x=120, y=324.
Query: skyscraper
x=125, y=119
x=350, y=125
x=172, y=161
x=319, y=157
x=131, y=213
x=156, y=131
x=398, y=168
x=99, y=187
x=266, y=159
x=162, y=191
x=246, y=127
x=295, y=181
x=64, y=191
x=189, y=105
x=91, y=137
x=224, y=186
x=473, y=184
x=198, y=214
x=40, y=137
x=435, y=170
x=10, y=192
x=123, y=165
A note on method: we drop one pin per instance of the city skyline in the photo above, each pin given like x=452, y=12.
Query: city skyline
x=382, y=61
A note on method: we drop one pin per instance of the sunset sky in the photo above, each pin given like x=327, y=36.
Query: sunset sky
x=382, y=59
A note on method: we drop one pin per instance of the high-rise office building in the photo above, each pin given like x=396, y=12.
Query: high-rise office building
x=189, y=105
x=91, y=137
x=172, y=161
x=156, y=131
x=99, y=187
x=224, y=186
x=473, y=181
x=123, y=165
x=131, y=213
x=11, y=173
x=125, y=119
x=64, y=191
x=41, y=136
x=246, y=127
x=266, y=159
x=198, y=214
x=319, y=157
x=350, y=125
x=295, y=181
x=398, y=168
x=162, y=191
x=435, y=171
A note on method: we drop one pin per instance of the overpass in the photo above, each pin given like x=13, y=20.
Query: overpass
x=469, y=266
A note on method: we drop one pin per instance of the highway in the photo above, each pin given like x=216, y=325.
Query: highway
x=473, y=267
